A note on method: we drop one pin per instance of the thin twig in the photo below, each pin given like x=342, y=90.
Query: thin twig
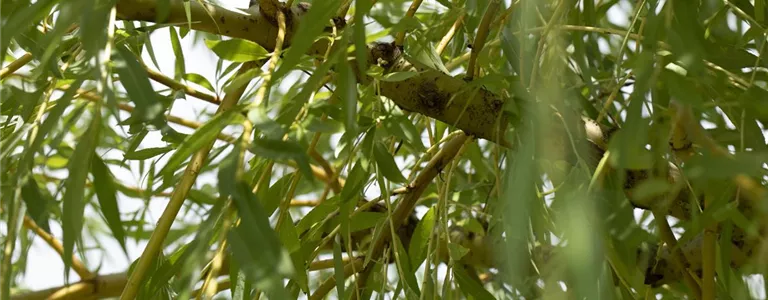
x=166, y=220
x=449, y=35
x=480, y=38
x=408, y=202
x=15, y=65
x=400, y=38
x=173, y=84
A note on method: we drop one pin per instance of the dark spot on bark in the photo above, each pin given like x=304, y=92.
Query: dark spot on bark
x=245, y=29
x=496, y=104
x=223, y=20
x=227, y=31
x=431, y=99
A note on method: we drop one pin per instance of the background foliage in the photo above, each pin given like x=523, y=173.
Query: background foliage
x=509, y=149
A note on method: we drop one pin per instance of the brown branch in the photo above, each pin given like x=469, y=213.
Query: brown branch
x=77, y=265
x=99, y=287
x=477, y=111
x=330, y=283
x=198, y=160
x=173, y=84
x=218, y=20
x=406, y=205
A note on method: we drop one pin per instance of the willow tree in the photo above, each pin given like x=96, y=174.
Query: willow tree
x=459, y=149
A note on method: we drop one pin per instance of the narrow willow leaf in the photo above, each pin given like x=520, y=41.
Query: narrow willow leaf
x=242, y=287
x=237, y=50
x=356, y=180
x=290, y=238
x=24, y=18
x=146, y=153
x=199, y=80
x=179, y=67
x=361, y=54
x=203, y=135
x=408, y=273
x=94, y=21
x=281, y=150
x=51, y=120
x=470, y=287
x=136, y=82
x=73, y=200
x=37, y=203
x=338, y=268
x=9, y=144
x=256, y=246
x=311, y=26
x=421, y=236
x=347, y=91
x=364, y=220
x=104, y=184
x=402, y=127
x=387, y=164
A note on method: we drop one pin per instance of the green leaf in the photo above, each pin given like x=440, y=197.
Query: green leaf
x=257, y=247
x=470, y=286
x=347, y=91
x=136, y=82
x=237, y=50
x=387, y=164
x=203, y=135
x=338, y=268
x=402, y=127
x=311, y=26
x=51, y=120
x=421, y=236
x=199, y=80
x=355, y=182
x=37, y=203
x=179, y=67
x=146, y=153
x=73, y=200
x=283, y=150
x=9, y=144
x=104, y=184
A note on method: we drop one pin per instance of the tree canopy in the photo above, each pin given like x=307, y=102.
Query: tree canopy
x=477, y=149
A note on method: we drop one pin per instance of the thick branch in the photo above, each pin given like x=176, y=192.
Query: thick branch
x=432, y=93
x=104, y=286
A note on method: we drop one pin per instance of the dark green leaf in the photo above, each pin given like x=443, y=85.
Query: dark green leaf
x=37, y=203
x=146, y=153
x=387, y=164
x=256, y=245
x=74, y=196
x=237, y=50
x=203, y=135
x=104, y=184
x=136, y=82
